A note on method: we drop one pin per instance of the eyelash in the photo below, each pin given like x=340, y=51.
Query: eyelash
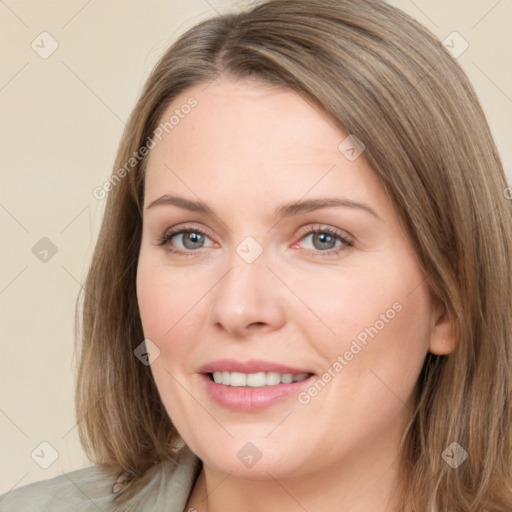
x=163, y=241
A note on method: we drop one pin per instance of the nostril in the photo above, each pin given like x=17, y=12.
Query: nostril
x=256, y=324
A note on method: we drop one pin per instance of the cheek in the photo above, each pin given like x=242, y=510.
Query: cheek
x=379, y=320
x=372, y=364
x=167, y=300
x=172, y=306
x=153, y=299
x=167, y=306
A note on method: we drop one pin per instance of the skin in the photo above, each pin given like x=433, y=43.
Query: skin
x=246, y=149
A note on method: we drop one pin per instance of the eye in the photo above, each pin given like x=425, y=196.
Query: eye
x=188, y=241
x=326, y=240
x=184, y=240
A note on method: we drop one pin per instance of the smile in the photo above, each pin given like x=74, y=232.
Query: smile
x=256, y=380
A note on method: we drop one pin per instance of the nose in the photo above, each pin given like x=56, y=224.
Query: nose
x=249, y=299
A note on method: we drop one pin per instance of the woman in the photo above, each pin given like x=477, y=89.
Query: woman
x=300, y=298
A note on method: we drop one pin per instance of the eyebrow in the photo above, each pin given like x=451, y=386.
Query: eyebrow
x=287, y=210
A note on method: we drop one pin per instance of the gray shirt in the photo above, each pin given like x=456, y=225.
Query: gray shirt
x=89, y=490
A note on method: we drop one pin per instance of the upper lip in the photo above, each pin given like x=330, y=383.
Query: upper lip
x=250, y=366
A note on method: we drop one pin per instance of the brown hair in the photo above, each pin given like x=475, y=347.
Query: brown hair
x=384, y=78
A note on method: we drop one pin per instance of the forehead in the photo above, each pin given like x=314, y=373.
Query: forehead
x=244, y=113
x=248, y=137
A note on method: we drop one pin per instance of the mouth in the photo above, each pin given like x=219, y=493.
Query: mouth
x=253, y=385
x=255, y=380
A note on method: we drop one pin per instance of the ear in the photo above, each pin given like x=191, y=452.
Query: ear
x=443, y=338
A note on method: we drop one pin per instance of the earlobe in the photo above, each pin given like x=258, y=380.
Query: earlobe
x=443, y=337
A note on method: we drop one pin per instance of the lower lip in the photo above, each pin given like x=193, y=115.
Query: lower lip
x=249, y=399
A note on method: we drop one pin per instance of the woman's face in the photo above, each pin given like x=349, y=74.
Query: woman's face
x=287, y=261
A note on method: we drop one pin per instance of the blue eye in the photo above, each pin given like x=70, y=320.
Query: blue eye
x=327, y=240
x=191, y=239
x=188, y=241
x=322, y=240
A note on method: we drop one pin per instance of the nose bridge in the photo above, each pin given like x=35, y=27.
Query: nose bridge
x=248, y=294
x=246, y=285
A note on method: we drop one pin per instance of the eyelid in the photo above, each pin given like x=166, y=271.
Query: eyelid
x=305, y=230
x=190, y=227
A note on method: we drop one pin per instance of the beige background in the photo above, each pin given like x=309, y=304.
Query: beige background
x=61, y=120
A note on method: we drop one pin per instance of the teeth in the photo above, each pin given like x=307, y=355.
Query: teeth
x=273, y=378
x=256, y=380
x=237, y=379
x=286, y=378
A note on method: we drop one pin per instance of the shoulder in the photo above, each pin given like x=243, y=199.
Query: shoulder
x=90, y=489
x=85, y=489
